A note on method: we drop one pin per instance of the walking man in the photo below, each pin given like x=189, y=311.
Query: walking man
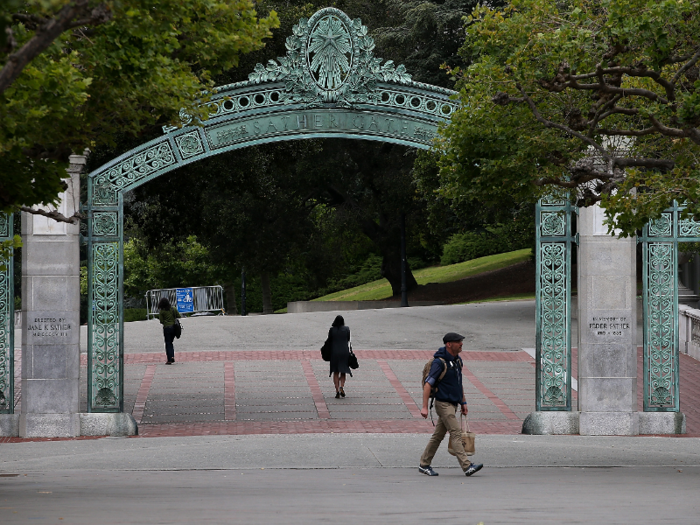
x=449, y=395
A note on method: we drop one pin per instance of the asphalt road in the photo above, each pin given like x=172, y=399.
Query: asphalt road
x=349, y=478
x=354, y=496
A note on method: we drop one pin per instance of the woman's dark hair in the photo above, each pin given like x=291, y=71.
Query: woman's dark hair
x=164, y=304
x=339, y=321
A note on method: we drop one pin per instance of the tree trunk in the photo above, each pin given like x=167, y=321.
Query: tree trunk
x=266, y=295
x=391, y=267
x=230, y=290
x=388, y=239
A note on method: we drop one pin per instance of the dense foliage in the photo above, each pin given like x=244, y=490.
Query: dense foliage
x=492, y=240
x=76, y=74
x=601, y=97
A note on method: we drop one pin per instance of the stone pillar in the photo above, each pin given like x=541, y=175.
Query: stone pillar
x=51, y=318
x=607, y=345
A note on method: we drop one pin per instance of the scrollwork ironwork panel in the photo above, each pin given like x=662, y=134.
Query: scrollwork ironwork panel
x=7, y=323
x=105, y=360
x=6, y=352
x=554, y=325
x=552, y=223
x=135, y=167
x=105, y=224
x=662, y=227
x=688, y=228
x=660, y=353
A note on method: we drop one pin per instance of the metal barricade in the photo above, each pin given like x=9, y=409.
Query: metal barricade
x=204, y=299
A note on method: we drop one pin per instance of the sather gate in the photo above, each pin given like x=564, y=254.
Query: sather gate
x=329, y=84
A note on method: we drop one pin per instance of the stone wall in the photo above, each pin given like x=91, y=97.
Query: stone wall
x=689, y=331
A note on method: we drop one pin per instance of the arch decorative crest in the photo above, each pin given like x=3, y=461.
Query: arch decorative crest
x=329, y=84
x=330, y=58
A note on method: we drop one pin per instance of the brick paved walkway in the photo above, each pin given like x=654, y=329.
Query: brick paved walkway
x=269, y=392
x=289, y=392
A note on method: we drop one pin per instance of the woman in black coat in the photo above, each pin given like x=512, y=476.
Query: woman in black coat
x=167, y=316
x=339, y=338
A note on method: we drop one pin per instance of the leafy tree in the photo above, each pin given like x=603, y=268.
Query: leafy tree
x=425, y=36
x=599, y=97
x=178, y=263
x=78, y=73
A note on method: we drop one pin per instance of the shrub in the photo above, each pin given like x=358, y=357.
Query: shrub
x=496, y=239
x=134, y=314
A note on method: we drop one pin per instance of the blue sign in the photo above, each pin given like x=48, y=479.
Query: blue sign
x=185, y=300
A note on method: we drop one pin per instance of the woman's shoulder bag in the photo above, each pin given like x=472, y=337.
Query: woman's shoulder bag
x=178, y=328
x=352, y=360
x=326, y=350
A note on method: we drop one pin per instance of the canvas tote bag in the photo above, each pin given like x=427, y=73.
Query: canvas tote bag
x=468, y=439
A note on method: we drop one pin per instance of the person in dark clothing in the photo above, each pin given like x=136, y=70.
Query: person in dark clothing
x=167, y=315
x=449, y=396
x=339, y=338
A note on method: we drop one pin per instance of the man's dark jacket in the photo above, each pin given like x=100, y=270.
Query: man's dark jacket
x=450, y=388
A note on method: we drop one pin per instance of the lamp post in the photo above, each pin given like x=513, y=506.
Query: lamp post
x=404, y=292
x=243, y=310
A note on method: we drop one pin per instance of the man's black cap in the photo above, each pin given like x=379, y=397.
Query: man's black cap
x=452, y=337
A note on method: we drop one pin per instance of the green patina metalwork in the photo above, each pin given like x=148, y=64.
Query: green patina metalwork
x=329, y=84
x=555, y=243
x=7, y=324
x=660, y=240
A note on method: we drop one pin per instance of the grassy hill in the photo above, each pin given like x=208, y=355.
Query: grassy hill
x=381, y=289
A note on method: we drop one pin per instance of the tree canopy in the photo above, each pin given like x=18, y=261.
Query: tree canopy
x=601, y=97
x=76, y=74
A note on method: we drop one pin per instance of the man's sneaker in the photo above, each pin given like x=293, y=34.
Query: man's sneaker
x=473, y=469
x=428, y=471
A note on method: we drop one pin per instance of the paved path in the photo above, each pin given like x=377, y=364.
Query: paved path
x=264, y=375
x=348, y=478
x=355, y=496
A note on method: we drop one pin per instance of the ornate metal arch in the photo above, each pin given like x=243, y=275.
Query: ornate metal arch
x=329, y=84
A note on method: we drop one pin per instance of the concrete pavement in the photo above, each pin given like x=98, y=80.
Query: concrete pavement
x=341, y=451
x=352, y=496
x=508, y=325
x=348, y=478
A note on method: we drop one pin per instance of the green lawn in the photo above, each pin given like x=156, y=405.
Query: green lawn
x=437, y=274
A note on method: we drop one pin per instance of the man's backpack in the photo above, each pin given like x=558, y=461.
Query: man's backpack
x=426, y=371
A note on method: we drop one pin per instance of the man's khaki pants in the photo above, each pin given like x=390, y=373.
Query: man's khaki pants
x=447, y=422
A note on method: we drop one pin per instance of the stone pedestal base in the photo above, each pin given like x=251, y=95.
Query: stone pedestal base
x=49, y=425
x=70, y=425
x=108, y=425
x=9, y=425
x=609, y=424
x=551, y=423
x=661, y=423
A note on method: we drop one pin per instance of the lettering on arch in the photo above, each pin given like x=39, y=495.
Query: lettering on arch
x=323, y=122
